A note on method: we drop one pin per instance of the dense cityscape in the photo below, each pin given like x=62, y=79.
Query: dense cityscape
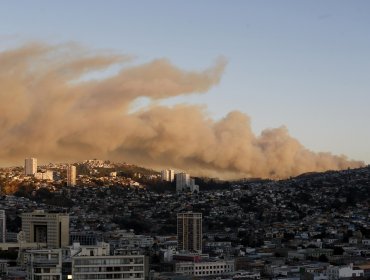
x=102, y=220
x=184, y=140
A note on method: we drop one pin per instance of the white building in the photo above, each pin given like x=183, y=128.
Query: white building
x=182, y=181
x=205, y=268
x=339, y=272
x=30, y=166
x=2, y=226
x=168, y=175
x=71, y=176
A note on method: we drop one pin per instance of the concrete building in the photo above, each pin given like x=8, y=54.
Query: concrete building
x=43, y=264
x=182, y=181
x=49, y=228
x=30, y=166
x=205, y=268
x=2, y=226
x=168, y=175
x=189, y=232
x=71, y=176
x=94, y=262
x=185, y=183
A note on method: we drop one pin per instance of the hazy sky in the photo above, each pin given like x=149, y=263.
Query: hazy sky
x=301, y=64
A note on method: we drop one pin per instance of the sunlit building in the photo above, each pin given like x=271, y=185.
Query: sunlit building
x=168, y=175
x=71, y=176
x=30, y=166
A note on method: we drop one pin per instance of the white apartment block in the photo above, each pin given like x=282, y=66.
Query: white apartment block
x=205, y=268
x=71, y=176
x=168, y=175
x=30, y=166
x=182, y=181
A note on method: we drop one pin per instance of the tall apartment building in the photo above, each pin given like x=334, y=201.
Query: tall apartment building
x=168, y=175
x=189, y=232
x=2, y=226
x=30, y=166
x=71, y=176
x=185, y=183
x=49, y=228
x=182, y=181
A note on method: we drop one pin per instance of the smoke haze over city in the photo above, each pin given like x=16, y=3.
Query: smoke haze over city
x=51, y=110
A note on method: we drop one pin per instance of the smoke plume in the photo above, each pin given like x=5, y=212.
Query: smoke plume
x=50, y=111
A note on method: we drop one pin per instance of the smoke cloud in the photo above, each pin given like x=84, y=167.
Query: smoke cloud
x=50, y=111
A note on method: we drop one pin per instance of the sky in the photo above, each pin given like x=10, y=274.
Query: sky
x=299, y=64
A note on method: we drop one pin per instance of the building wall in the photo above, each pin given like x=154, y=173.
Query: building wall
x=50, y=228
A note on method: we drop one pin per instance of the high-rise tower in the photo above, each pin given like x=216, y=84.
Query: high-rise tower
x=2, y=226
x=30, y=166
x=189, y=232
x=168, y=175
x=182, y=181
x=71, y=176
